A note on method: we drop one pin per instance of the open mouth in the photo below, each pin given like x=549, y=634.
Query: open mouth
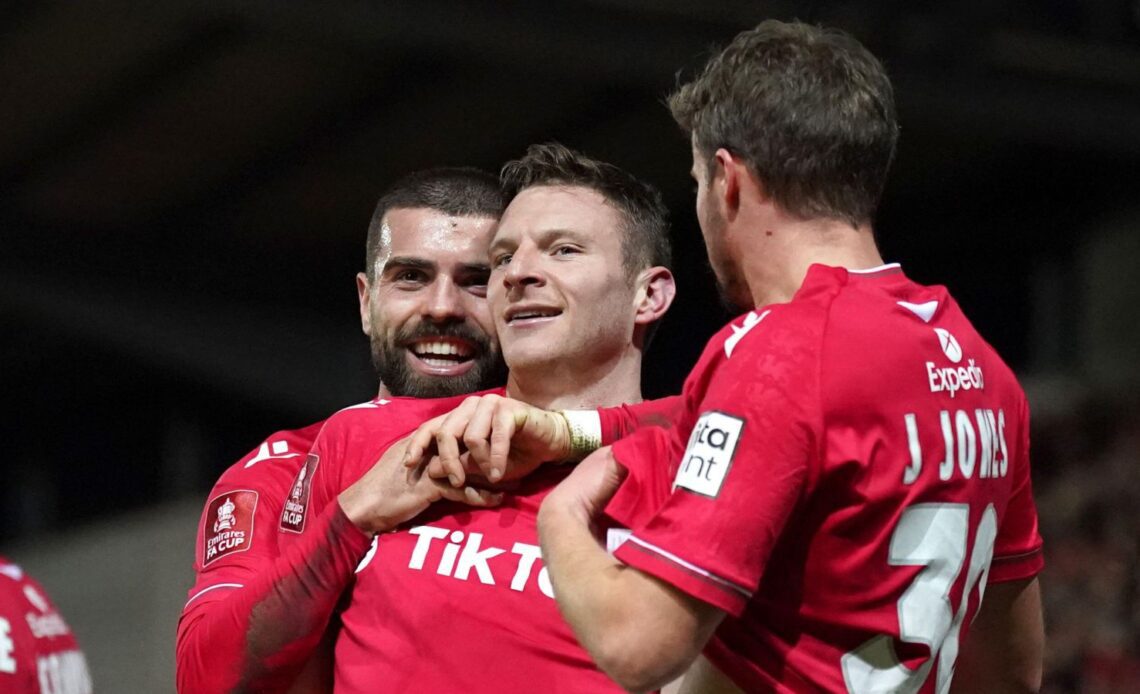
x=530, y=316
x=442, y=354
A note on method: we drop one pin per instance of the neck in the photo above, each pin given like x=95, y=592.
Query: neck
x=775, y=267
x=570, y=384
x=384, y=392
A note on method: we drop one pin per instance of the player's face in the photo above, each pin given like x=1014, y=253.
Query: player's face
x=558, y=291
x=426, y=311
x=730, y=281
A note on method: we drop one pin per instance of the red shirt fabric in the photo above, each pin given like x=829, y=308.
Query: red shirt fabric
x=38, y=652
x=234, y=560
x=851, y=468
x=458, y=599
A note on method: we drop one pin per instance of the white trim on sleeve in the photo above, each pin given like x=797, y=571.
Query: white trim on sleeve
x=207, y=590
x=691, y=567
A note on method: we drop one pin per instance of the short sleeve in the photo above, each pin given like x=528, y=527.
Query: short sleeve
x=743, y=468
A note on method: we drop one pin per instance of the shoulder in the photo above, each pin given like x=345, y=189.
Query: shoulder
x=276, y=458
x=775, y=332
x=396, y=415
x=11, y=578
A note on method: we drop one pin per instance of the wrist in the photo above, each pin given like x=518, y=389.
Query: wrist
x=583, y=432
x=357, y=510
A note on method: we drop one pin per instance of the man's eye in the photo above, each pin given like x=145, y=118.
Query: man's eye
x=501, y=260
x=409, y=276
x=567, y=250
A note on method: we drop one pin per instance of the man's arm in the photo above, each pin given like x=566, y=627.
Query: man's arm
x=1004, y=650
x=259, y=636
x=498, y=438
x=237, y=642
x=641, y=631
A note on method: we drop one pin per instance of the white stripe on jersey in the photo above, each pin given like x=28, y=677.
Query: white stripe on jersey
x=207, y=590
x=691, y=567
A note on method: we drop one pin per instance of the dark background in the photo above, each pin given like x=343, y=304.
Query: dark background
x=185, y=188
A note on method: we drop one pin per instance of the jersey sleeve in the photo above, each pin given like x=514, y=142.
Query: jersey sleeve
x=258, y=611
x=1018, y=548
x=621, y=421
x=742, y=470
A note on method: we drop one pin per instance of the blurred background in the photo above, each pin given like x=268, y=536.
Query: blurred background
x=185, y=189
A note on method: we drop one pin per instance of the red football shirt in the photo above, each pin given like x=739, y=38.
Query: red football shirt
x=236, y=543
x=459, y=599
x=851, y=469
x=38, y=652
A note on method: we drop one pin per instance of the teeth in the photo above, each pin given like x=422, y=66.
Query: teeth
x=533, y=314
x=444, y=349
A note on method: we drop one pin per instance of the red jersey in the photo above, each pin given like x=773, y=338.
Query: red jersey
x=851, y=469
x=38, y=652
x=237, y=540
x=459, y=599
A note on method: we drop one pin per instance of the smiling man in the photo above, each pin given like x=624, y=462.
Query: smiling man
x=830, y=509
x=422, y=301
x=460, y=599
x=423, y=306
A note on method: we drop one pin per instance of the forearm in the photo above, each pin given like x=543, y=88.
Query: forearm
x=628, y=622
x=258, y=637
x=1004, y=649
x=621, y=421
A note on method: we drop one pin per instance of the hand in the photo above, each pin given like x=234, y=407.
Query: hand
x=496, y=437
x=586, y=491
x=390, y=494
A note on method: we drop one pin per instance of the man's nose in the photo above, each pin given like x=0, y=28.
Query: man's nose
x=444, y=302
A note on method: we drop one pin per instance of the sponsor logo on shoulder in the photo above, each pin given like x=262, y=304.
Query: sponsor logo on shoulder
x=297, y=505
x=712, y=446
x=738, y=332
x=229, y=519
x=951, y=379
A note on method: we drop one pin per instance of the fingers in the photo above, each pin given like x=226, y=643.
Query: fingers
x=469, y=495
x=475, y=437
x=420, y=442
x=443, y=433
x=505, y=423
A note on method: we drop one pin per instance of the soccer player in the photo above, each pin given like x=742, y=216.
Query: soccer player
x=460, y=600
x=851, y=472
x=38, y=652
x=423, y=306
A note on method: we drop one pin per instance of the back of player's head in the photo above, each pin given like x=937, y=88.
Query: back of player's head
x=459, y=191
x=809, y=110
x=645, y=233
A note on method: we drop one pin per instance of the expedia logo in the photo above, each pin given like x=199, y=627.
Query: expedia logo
x=952, y=379
x=950, y=346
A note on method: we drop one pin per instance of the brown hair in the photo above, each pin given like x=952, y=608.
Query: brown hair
x=460, y=191
x=809, y=110
x=645, y=238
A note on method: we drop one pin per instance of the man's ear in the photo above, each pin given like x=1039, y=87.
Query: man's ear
x=656, y=290
x=364, y=296
x=728, y=171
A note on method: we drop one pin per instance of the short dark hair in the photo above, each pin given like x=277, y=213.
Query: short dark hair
x=645, y=231
x=461, y=191
x=809, y=110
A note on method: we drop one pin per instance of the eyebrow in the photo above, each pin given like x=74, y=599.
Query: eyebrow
x=546, y=236
x=405, y=262
x=409, y=262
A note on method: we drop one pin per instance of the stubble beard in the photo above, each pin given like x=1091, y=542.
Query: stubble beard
x=401, y=380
